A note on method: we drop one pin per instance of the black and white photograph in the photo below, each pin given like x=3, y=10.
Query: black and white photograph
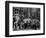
x=24, y=18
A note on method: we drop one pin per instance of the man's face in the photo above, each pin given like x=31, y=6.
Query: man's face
x=17, y=17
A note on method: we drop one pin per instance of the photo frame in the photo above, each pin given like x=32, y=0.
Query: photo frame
x=24, y=18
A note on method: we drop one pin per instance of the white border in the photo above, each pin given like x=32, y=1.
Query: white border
x=11, y=32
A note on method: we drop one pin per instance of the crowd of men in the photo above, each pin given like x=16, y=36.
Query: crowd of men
x=26, y=22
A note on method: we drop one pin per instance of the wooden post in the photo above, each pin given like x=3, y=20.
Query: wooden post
x=28, y=12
